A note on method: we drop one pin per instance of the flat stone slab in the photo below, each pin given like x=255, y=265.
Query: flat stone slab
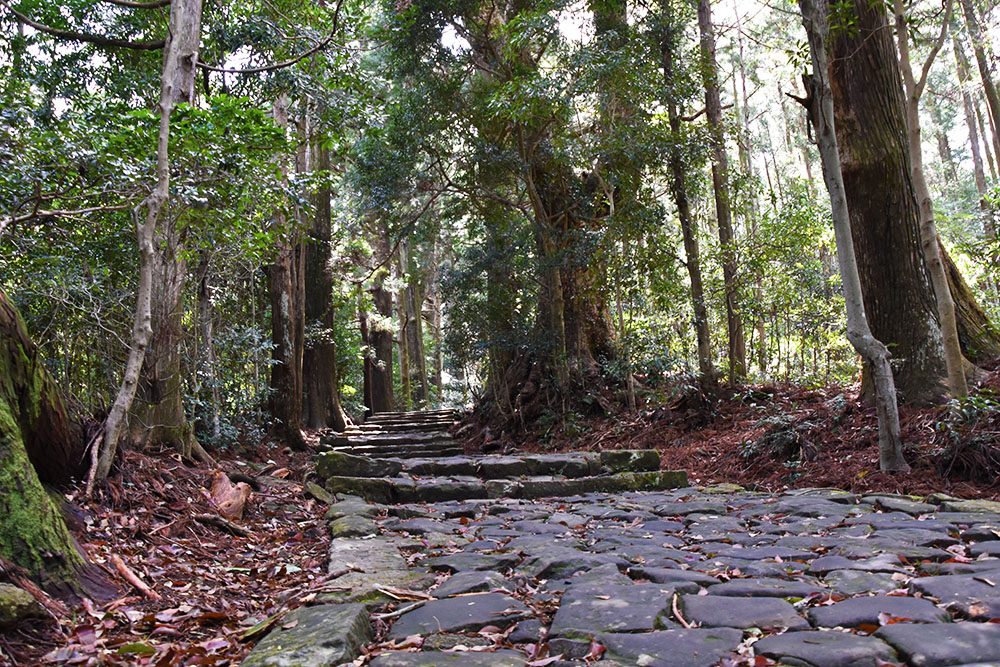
x=766, y=587
x=380, y=564
x=502, y=658
x=719, y=611
x=318, y=636
x=860, y=611
x=944, y=643
x=813, y=648
x=342, y=464
x=955, y=587
x=352, y=525
x=590, y=609
x=469, y=582
x=696, y=647
x=460, y=614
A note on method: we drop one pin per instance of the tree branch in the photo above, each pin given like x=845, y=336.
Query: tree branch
x=285, y=63
x=74, y=36
x=133, y=4
x=938, y=43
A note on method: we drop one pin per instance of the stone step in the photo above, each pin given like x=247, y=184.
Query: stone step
x=404, y=490
x=395, y=428
x=338, y=440
x=433, y=449
x=416, y=414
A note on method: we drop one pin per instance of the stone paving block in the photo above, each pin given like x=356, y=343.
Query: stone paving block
x=767, y=587
x=944, y=643
x=696, y=647
x=666, y=575
x=954, y=587
x=380, y=564
x=813, y=648
x=636, y=460
x=855, y=582
x=590, y=609
x=352, y=526
x=715, y=611
x=469, y=582
x=322, y=635
x=460, y=614
x=860, y=611
x=561, y=562
x=502, y=658
x=461, y=562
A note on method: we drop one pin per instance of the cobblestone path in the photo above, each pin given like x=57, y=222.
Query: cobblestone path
x=676, y=577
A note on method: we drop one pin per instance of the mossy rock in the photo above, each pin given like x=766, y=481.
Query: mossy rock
x=17, y=605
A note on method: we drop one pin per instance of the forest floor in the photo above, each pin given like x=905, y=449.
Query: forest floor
x=218, y=592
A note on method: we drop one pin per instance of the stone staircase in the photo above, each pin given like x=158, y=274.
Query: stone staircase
x=397, y=435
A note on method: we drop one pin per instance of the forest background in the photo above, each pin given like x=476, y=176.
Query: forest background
x=285, y=215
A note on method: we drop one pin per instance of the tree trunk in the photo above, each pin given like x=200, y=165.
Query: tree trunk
x=678, y=186
x=380, y=331
x=819, y=102
x=209, y=395
x=319, y=361
x=180, y=56
x=989, y=88
x=402, y=343
x=929, y=242
x=871, y=134
x=286, y=325
x=964, y=77
x=36, y=441
x=720, y=185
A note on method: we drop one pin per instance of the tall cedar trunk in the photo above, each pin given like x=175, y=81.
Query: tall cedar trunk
x=871, y=133
x=404, y=401
x=180, y=55
x=286, y=326
x=819, y=103
x=37, y=443
x=929, y=242
x=720, y=184
x=207, y=383
x=987, y=152
x=320, y=382
x=970, y=11
x=678, y=186
x=380, y=331
x=964, y=77
x=415, y=342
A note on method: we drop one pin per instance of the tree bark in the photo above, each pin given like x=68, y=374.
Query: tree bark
x=321, y=383
x=180, y=56
x=819, y=102
x=402, y=343
x=34, y=428
x=929, y=242
x=871, y=134
x=978, y=38
x=380, y=330
x=720, y=185
x=678, y=187
x=210, y=418
x=964, y=77
x=286, y=325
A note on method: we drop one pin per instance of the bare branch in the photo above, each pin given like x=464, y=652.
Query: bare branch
x=74, y=36
x=285, y=63
x=133, y=4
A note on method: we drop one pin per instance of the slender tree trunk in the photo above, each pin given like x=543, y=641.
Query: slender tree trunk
x=989, y=88
x=206, y=349
x=964, y=77
x=678, y=186
x=180, y=55
x=403, y=348
x=820, y=106
x=720, y=184
x=321, y=382
x=946, y=157
x=914, y=88
x=380, y=331
x=286, y=325
x=871, y=134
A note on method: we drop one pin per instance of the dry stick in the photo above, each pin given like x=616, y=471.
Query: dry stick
x=132, y=578
x=400, y=611
x=220, y=522
x=677, y=614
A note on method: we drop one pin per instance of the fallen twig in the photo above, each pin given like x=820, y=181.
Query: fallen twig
x=677, y=614
x=223, y=523
x=400, y=611
x=132, y=578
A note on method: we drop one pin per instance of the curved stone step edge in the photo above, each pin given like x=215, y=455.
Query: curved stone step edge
x=401, y=490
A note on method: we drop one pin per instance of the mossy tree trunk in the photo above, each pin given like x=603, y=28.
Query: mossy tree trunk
x=34, y=431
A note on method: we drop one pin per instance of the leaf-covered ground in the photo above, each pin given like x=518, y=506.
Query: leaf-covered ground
x=219, y=592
